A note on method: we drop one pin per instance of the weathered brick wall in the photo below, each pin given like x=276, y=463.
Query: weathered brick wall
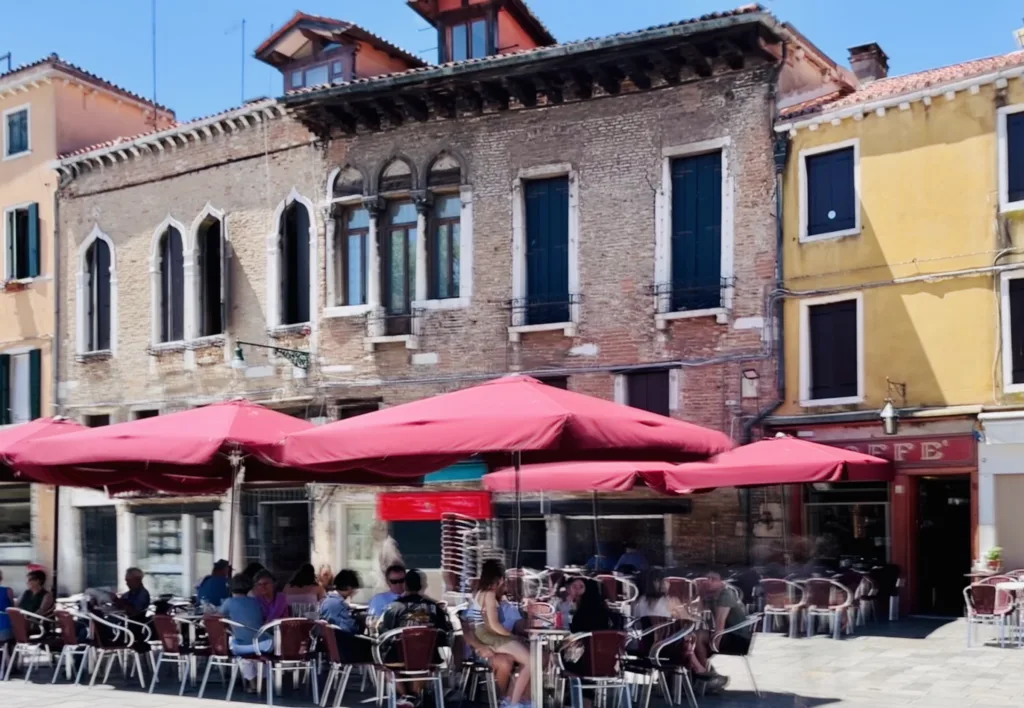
x=614, y=143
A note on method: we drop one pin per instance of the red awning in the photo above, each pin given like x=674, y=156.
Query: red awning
x=430, y=506
x=782, y=460
x=585, y=476
x=515, y=413
x=17, y=436
x=184, y=452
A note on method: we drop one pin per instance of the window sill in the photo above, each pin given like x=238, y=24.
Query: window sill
x=410, y=341
x=821, y=402
x=98, y=355
x=210, y=341
x=15, y=285
x=292, y=330
x=347, y=311
x=450, y=303
x=830, y=236
x=720, y=314
x=1014, y=388
x=166, y=348
x=1012, y=207
x=15, y=156
x=515, y=333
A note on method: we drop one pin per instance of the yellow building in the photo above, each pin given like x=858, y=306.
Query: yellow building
x=902, y=255
x=47, y=108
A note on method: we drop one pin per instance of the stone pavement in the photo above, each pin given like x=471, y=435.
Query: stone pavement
x=915, y=663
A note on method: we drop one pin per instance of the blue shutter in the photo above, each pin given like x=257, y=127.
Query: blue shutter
x=9, y=267
x=1015, y=156
x=831, y=198
x=35, y=383
x=33, y=241
x=697, y=232
x=5, y=389
x=547, y=250
x=833, y=345
x=1016, y=315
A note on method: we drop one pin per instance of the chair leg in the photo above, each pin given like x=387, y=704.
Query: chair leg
x=332, y=676
x=270, y=684
x=492, y=690
x=231, y=684
x=346, y=673
x=438, y=692
x=206, y=677
x=60, y=662
x=313, y=682
x=33, y=660
x=156, y=674
x=85, y=662
x=750, y=672
x=691, y=697
x=663, y=684
x=184, y=674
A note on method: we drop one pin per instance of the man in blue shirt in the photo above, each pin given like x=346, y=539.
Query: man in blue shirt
x=135, y=602
x=395, y=576
x=632, y=560
x=214, y=589
x=354, y=647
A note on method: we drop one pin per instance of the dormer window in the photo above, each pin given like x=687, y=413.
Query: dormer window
x=468, y=40
x=332, y=72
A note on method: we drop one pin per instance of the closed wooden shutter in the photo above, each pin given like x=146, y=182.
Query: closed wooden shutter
x=1015, y=156
x=211, y=266
x=649, y=391
x=831, y=198
x=833, y=350
x=225, y=284
x=35, y=384
x=172, y=283
x=547, y=250
x=11, y=238
x=295, y=265
x=5, y=389
x=101, y=275
x=697, y=232
x=33, y=241
x=1016, y=315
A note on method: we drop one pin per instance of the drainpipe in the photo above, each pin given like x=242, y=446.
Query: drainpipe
x=55, y=366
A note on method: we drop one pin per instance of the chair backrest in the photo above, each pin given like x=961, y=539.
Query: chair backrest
x=1015, y=574
x=295, y=638
x=19, y=625
x=819, y=592
x=995, y=580
x=330, y=641
x=216, y=636
x=68, y=627
x=700, y=587
x=679, y=588
x=651, y=629
x=418, y=645
x=982, y=598
x=778, y=593
x=609, y=587
x=605, y=650
x=167, y=631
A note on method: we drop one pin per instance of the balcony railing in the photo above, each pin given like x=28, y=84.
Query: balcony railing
x=542, y=309
x=682, y=297
x=387, y=324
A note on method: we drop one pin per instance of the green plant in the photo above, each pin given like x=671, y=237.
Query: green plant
x=994, y=554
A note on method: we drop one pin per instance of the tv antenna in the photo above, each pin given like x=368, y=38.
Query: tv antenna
x=231, y=30
x=6, y=57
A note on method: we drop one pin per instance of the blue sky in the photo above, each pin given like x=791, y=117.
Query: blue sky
x=199, y=43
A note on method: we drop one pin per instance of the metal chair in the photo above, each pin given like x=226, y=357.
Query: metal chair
x=471, y=669
x=751, y=624
x=820, y=602
x=28, y=645
x=293, y=652
x=658, y=651
x=415, y=647
x=218, y=653
x=340, y=669
x=986, y=604
x=602, y=662
x=782, y=598
x=173, y=650
x=66, y=621
x=116, y=647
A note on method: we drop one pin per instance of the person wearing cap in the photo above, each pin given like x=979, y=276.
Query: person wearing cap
x=214, y=589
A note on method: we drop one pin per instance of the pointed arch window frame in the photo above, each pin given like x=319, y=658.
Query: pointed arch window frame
x=155, y=284
x=274, y=266
x=194, y=275
x=81, y=305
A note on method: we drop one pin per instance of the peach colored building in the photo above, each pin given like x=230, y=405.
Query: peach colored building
x=47, y=108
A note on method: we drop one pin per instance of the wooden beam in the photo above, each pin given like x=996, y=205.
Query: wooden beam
x=495, y=94
x=524, y=90
x=609, y=77
x=387, y=108
x=582, y=83
x=551, y=86
x=734, y=55
x=415, y=107
x=696, y=58
x=471, y=99
x=442, y=105
x=637, y=69
x=669, y=64
x=367, y=115
x=339, y=116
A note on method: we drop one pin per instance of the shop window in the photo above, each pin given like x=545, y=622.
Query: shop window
x=96, y=421
x=15, y=524
x=359, y=521
x=99, y=546
x=648, y=532
x=533, y=541
x=848, y=522
x=419, y=542
x=204, y=554
x=159, y=553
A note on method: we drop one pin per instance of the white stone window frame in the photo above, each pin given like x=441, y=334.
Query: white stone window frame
x=193, y=291
x=156, y=296
x=663, y=231
x=273, y=243
x=7, y=239
x=805, y=351
x=1003, y=146
x=519, y=281
x=81, y=307
x=620, y=387
x=1006, y=331
x=352, y=201
x=422, y=302
x=27, y=108
x=858, y=208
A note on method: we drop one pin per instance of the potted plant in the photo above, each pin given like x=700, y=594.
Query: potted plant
x=994, y=556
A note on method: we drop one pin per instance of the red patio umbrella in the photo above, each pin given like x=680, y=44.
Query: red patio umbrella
x=511, y=414
x=782, y=460
x=17, y=436
x=581, y=476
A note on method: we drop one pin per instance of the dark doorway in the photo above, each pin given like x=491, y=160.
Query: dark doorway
x=285, y=532
x=943, y=544
x=99, y=546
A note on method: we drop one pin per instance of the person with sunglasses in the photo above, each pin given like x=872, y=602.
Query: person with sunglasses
x=395, y=577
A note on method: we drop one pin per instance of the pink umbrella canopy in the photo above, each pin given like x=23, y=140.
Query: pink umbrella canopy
x=17, y=436
x=580, y=476
x=186, y=452
x=783, y=460
x=511, y=414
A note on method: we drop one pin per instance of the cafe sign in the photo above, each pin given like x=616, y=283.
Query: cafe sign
x=918, y=452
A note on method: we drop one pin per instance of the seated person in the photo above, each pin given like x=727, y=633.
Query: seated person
x=354, y=648
x=602, y=561
x=573, y=591
x=303, y=589
x=395, y=577
x=728, y=611
x=248, y=613
x=36, y=598
x=274, y=603
x=215, y=588
x=501, y=664
x=135, y=602
x=632, y=560
x=413, y=609
x=492, y=633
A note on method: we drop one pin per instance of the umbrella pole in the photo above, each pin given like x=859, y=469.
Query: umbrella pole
x=517, y=460
x=56, y=539
x=597, y=543
x=234, y=522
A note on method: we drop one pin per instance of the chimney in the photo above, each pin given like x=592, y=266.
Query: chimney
x=869, y=62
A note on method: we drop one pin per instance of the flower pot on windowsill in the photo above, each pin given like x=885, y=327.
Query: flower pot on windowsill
x=995, y=565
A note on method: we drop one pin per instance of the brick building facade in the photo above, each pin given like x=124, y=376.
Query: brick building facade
x=256, y=169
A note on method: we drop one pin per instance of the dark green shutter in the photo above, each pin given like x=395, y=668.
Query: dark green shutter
x=225, y=281
x=11, y=238
x=5, y=389
x=35, y=383
x=697, y=232
x=33, y=240
x=547, y=250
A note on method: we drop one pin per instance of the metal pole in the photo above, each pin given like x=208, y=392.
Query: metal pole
x=236, y=490
x=517, y=460
x=597, y=544
x=56, y=538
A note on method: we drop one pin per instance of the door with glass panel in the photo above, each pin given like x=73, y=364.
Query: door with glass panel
x=399, y=272
x=359, y=542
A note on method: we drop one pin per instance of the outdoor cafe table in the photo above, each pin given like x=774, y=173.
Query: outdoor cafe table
x=1016, y=589
x=539, y=638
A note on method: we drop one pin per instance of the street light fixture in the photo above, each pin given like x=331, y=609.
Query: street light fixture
x=298, y=358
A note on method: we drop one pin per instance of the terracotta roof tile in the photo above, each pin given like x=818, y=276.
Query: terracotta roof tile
x=55, y=61
x=896, y=86
x=742, y=10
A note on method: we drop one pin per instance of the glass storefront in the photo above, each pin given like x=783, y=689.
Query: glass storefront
x=158, y=553
x=359, y=522
x=848, y=523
